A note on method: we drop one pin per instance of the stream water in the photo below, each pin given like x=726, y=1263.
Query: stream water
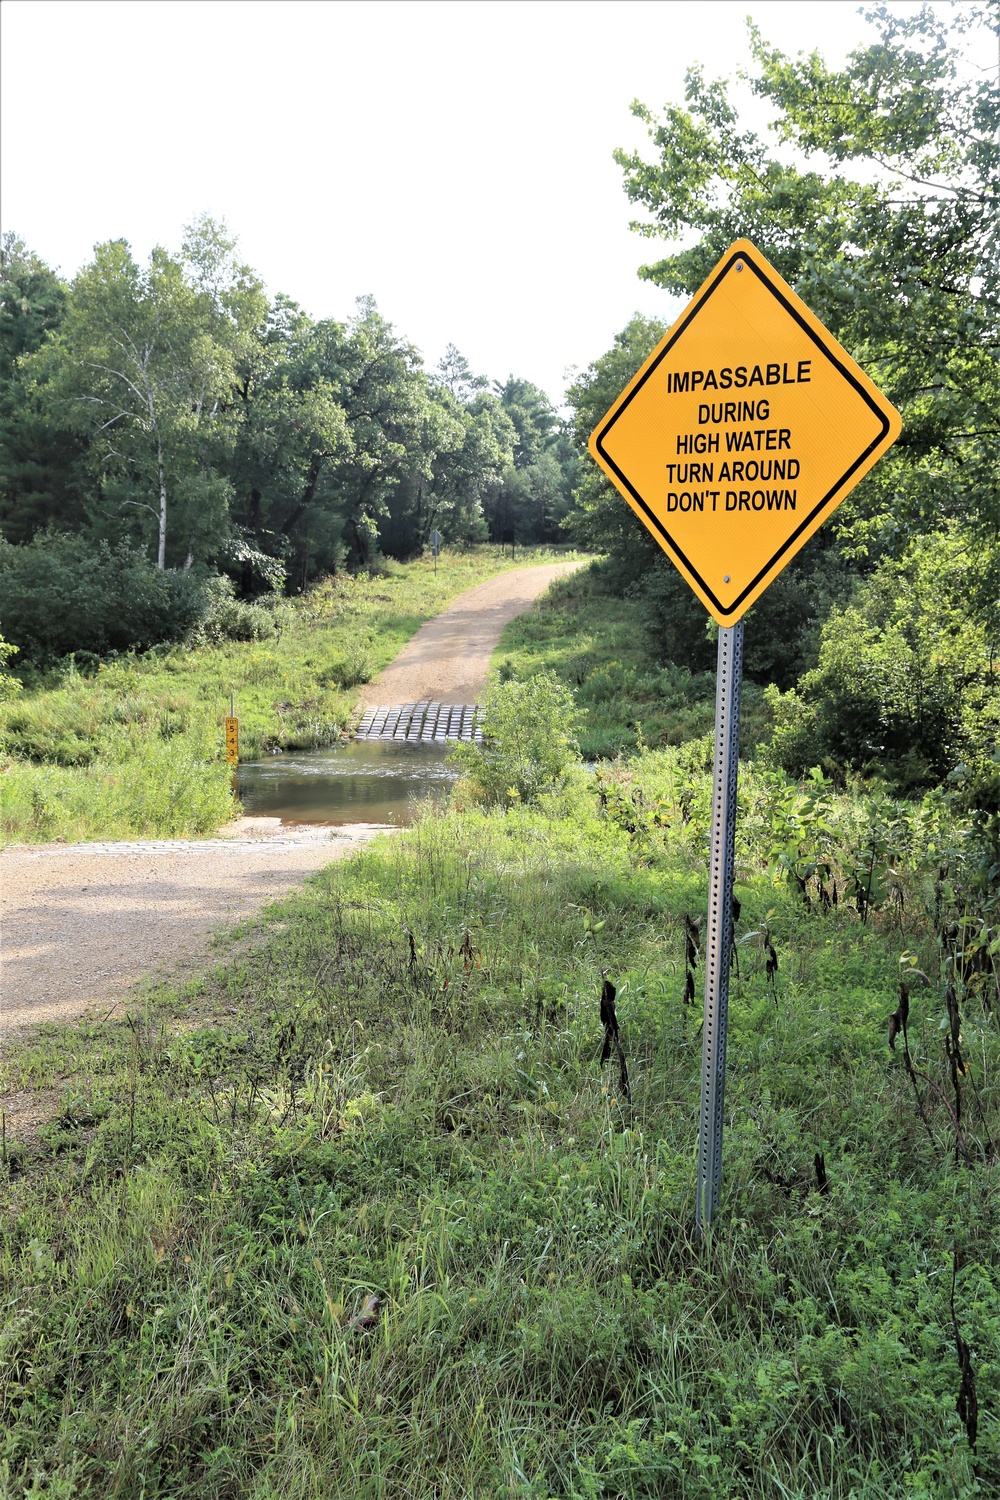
x=362, y=781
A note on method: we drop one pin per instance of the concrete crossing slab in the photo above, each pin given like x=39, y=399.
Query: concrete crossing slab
x=422, y=723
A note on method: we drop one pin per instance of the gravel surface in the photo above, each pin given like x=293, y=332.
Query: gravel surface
x=81, y=923
x=448, y=659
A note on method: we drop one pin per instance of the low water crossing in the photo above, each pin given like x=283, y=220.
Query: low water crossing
x=361, y=781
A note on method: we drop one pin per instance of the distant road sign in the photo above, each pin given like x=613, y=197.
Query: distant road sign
x=743, y=431
x=435, y=540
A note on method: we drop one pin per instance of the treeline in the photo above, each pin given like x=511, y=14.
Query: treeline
x=175, y=412
x=880, y=643
x=169, y=430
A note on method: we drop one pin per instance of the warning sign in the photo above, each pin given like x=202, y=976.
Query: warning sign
x=743, y=431
x=232, y=741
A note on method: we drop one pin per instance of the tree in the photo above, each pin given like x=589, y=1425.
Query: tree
x=385, y=395
x=535, y=423
x=602, y=522
x=32, y=302
x=40, y=460
x=174, y=407
x=878, y=203
x=455, y=373
x=141, y=368
x=531, y=499
x=468, y=451
x=901, y=261
x=290, y=426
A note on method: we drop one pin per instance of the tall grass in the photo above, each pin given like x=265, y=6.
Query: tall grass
x=137, y=749
x=597, y=644
x=398, y=1093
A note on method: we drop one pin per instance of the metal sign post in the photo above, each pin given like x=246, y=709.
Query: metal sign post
x=719, y=931
x=435, y=541
x=733, y=443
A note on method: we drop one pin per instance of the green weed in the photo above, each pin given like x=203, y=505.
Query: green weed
x=598, y=645
x=134, y=747
x=398, y=1094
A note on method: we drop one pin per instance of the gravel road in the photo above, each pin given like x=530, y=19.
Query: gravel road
x=448, y=659
x=80, y=924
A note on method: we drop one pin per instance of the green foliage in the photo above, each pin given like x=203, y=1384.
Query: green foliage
x=142, y=785
x=907, y=682
x=876, y=200
x=528, y=739
x=83, y=745
x=63, y=593
x=533, y=498
x=599, y=646
x=900, y=263
x=604, y=523
x=38, y=456
x=395, y=1090
x=175, y=407
x=227, y=618
x=32, y=302
x=140, y=367
x=9, y=685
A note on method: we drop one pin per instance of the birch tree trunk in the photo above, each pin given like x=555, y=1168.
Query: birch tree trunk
x=161, y=551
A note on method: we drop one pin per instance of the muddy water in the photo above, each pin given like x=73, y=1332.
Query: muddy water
x=362, y=781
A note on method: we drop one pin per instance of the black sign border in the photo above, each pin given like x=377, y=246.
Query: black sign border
x=655, y=525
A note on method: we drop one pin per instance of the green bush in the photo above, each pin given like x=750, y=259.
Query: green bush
x=782, y=628
x=348, y=669
x=528, y=739
x=907, y=683
x=230, y=619
x=141, y=788
x=61, y=593
x=9, y=685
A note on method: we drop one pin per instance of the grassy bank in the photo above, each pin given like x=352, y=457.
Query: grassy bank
x=398, y=1093
x=136, y=749
x=597, y=643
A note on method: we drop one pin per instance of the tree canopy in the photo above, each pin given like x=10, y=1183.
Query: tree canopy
x=878, y=201
x=178, y=409
x=875, y=193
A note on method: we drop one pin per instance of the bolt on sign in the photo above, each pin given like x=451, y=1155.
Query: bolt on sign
x=741, y=434
x=232, y=741
x=738, y=438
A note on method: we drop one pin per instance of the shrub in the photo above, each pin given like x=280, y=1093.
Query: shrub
x=62, y=593
x=528, y=739
x=9, y=686
x=347, y=669
x=230, y=619
x=907, y=681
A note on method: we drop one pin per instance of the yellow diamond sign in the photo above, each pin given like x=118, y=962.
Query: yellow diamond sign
x=742, y=433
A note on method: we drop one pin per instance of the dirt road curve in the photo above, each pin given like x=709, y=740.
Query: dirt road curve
x=449, y=657
x=79, y=924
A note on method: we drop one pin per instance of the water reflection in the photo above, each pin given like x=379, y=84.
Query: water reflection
x=362, y=781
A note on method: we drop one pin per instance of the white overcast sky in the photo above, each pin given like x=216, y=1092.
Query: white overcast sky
x=452, y=157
